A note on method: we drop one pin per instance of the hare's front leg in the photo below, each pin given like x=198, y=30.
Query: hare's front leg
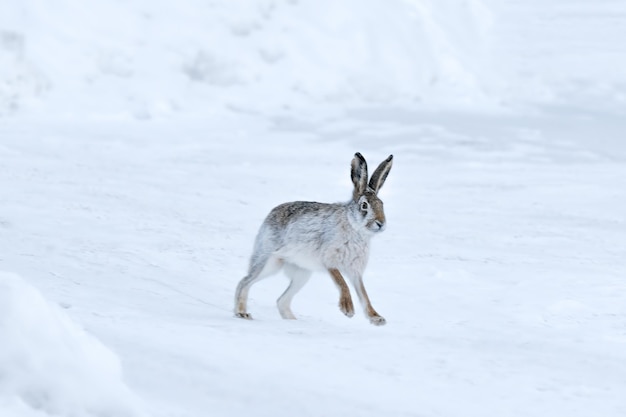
x=299, y=277
x=345, y=300
x=375, y=318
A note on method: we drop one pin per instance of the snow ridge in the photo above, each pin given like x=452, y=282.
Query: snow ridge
x=51, y=367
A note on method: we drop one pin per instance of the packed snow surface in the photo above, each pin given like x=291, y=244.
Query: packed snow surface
x=143, y=143
x=500, y=273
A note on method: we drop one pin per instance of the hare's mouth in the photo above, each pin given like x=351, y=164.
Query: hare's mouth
x=376, y=226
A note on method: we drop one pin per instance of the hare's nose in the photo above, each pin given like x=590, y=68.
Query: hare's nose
x=379, y=224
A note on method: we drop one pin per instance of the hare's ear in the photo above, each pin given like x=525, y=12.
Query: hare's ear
x=359, y=174
x=380, y=175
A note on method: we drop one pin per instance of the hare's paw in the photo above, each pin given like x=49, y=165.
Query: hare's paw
x=346, y=306
x=246, y=316
x=287, y=315
x=378, y=320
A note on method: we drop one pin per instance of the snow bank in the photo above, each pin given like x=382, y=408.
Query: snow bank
x=51, y=367
x=144, y=58
x=20, y=82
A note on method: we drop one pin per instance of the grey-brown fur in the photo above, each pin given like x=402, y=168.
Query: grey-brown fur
x=303, y=236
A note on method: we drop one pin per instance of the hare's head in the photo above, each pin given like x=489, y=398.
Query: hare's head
x=368, y=208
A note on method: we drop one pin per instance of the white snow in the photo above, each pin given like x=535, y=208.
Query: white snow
x=157, y=59
x=49, y=365
x=142, y=144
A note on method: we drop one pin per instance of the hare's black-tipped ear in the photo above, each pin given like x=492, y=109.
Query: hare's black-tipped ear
x=359, y=174
x=380, y=175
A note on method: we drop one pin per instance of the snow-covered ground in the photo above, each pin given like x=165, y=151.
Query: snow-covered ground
x=129, y=202
x=501, y=272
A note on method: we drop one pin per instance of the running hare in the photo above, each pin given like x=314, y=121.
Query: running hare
x=306, y=236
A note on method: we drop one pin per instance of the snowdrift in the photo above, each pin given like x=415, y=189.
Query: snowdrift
x=51, y=367
x=141, y=58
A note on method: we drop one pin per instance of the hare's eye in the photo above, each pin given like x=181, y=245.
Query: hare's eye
x=364, y=205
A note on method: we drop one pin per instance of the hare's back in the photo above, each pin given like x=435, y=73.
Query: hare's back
x=301, y=213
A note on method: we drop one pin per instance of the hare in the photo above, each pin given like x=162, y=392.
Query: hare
x=303, y=236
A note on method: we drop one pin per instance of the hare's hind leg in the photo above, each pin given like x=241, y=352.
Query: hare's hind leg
x=345, y=300
x=299, y=277
x=258, y=270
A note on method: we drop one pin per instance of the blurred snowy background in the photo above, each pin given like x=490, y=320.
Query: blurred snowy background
x=116, y=59
x=143, y=142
